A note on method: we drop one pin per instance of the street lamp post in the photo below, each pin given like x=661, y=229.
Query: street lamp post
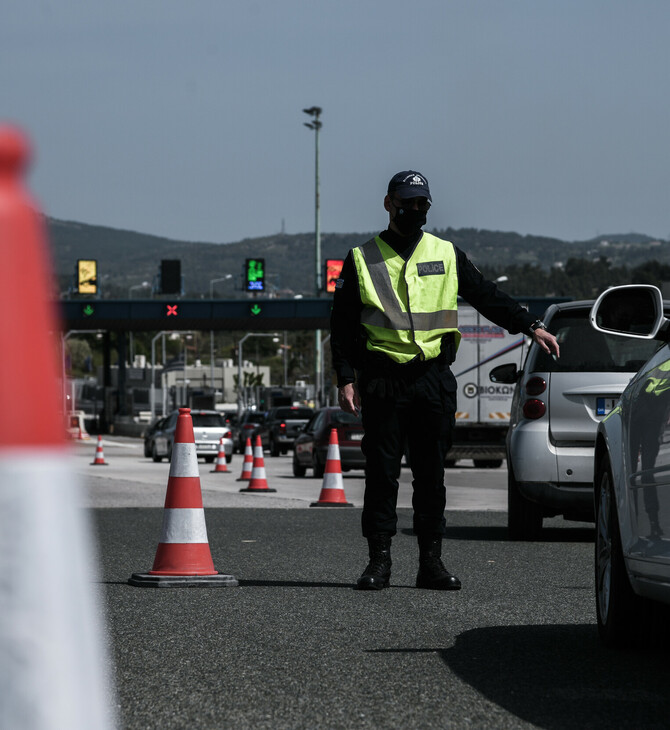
x=64, y=339
x=143, y=285
x=239, y=365
x=213, y=281
x=211, y=332
x=152, y=391
x=315, y=112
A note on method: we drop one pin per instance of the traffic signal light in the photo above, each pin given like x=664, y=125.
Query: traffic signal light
x=170, y=276
x=254, y=275
x=87, y=276
x=333, y=271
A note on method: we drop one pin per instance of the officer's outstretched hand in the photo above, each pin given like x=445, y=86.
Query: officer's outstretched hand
x=349, y=400
x=547, y=341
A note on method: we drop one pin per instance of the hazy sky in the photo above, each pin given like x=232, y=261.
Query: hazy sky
x=184, y=119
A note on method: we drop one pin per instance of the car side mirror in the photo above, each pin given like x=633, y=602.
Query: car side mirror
x=634, y=310
x=506, y=373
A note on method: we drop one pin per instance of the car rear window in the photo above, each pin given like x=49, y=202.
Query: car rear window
x=585, y=350
x=345, y=418
x=208, y=420
x=289, y=413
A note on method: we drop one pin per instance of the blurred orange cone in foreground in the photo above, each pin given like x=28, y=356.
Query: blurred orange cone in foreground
x=99, y=454
x=258, y=482
x=248, y=464
x=183, y=556
x=332, y=489
x=53, y=659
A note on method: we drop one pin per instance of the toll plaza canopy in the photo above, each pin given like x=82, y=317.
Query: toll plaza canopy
x=196, y=314
x=253, y=315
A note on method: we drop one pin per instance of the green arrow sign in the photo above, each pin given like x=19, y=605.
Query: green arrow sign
x=255, y=309
x=88, y=310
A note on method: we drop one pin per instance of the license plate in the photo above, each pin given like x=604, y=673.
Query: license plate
x=356, y=436
x=604, y=405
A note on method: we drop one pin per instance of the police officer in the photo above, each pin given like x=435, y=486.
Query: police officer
x=394, y=334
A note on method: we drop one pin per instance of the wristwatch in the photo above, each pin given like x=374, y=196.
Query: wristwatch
x=538, y=324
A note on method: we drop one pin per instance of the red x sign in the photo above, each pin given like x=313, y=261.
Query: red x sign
x=172, y=309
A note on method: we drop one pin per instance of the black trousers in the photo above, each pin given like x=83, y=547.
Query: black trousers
x=418, y=411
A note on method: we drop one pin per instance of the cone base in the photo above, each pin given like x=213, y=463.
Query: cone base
x=146, y=580
x=256, y=489
x=331, y=504
x=243, y=479
x=219, y=471
x=98, y=463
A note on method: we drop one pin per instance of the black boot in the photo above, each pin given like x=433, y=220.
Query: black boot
x=376, y=575
x=432, y=573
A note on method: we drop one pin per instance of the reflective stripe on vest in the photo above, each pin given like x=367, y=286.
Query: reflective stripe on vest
x=398, y=297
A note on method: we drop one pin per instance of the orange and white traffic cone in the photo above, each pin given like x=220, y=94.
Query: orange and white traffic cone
x=83, y=434
x=258, y=482
x=183, y=557
x=99, y=455
x=332, y=489
x=248, y=465
x=221, y=466
x=51, y=642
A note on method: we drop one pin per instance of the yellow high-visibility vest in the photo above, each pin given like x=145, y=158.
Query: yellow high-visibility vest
x=408, y=305
x=658, y=382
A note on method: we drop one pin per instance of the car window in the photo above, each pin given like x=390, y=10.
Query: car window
x=316, y=422
x=208, y=420
x=289, y=412
x=344, y=418
x=583, y=349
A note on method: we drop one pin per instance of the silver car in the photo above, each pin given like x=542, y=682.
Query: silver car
x=557, y=406
x=632, y=477
x=209, y=427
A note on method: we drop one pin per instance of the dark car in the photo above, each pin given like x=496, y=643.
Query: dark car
x=282, y=425
x=150, y=433
x=311, y=445
x=246, y=426
x=631, y=466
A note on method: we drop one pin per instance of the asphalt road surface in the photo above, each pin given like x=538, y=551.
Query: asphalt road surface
x=295, y=647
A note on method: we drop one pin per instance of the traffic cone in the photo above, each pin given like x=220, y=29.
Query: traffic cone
x=183, y=556
x=83, y=434
x=248, y=465
x=258, y=482
x=99, y=455
x=332, y=489
x=220, y=467
x=52, y=646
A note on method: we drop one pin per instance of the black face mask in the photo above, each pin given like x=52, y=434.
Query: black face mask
x=409, y=221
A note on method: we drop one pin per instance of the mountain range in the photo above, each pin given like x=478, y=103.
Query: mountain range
x=127, y=259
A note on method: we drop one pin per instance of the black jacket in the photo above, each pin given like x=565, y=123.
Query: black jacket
x=347, y=338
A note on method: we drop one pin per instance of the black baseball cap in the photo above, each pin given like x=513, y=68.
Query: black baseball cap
x=409, y=184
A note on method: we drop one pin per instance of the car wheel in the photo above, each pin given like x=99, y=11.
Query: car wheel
x=229, y=458
x=524, y=518
x=449, y=463
x=619, y=610
x=209, y=459
x=319, y=468
x=284, y=452
x=488, y=463
x=154, y=454
x=274, y=449
x=298, y=469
